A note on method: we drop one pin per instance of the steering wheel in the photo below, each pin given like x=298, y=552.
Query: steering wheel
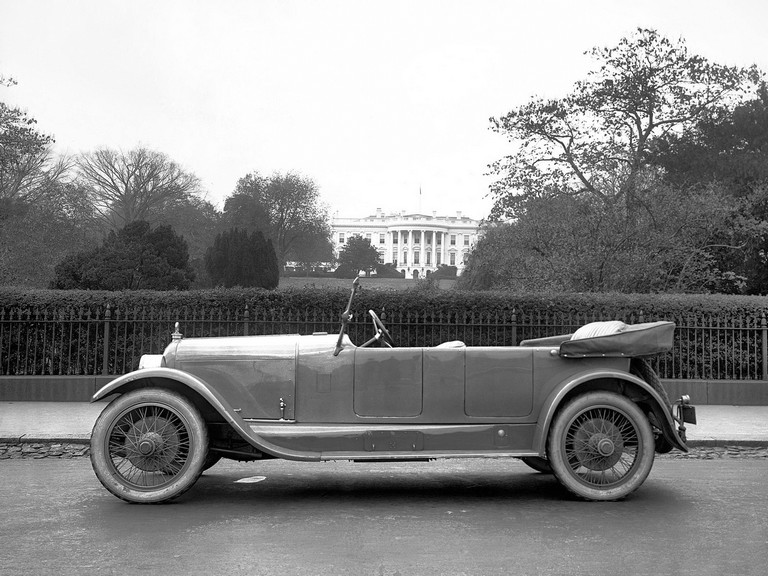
x=378, y=326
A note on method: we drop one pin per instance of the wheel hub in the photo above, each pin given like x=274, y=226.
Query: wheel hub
x=149, y=443
x=152, y=444
x=598, y=444
x=604, y=446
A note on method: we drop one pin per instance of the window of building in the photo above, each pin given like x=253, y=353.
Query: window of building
x=453, y=258
x=395, y=237
x=417, y=238
x=439, y=239
x=382, y=238
x=466, y=239
x=341, y=237
x=405, y=257
x=439, y=258
x=429, y=258
x=415, y=257
x=453, y=239
x=368, y=236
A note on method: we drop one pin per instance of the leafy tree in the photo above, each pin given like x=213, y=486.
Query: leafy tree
x=127, y=187
x=729, y=146
x=24, y=153
x=239, y=258
x=35, y=236
x=135, y=257
x=357, y=254
x=198, y=221
x=596, y=140
x=576, y=243
x=287, y=209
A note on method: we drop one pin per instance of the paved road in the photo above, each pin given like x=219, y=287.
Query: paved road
x=458, y=517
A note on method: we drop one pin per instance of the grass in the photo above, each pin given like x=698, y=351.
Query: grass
x=383, y=283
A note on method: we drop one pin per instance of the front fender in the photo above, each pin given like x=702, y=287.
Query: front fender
x=149, y=376
x=558, y=395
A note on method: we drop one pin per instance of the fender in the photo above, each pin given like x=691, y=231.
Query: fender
x=555, y=399
x=129, y=381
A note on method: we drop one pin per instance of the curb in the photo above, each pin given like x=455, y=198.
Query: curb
x=713, y=443
x=24, y=439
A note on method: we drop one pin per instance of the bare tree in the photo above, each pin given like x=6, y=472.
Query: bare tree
x=126, y=187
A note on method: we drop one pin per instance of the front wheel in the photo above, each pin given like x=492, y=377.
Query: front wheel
x=601, y=446
x=149, y=445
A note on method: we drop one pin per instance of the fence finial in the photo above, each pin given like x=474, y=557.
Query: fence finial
x=176, y=334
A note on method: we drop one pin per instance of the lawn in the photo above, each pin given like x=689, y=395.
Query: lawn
x=384, y=283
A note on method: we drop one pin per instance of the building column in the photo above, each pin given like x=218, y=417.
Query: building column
x=410, y=247
x=434, y=249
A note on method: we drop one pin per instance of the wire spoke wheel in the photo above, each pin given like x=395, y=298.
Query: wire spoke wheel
x=601, y=446
x=149, y=445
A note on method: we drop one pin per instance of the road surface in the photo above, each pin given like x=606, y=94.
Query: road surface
x=457, y=517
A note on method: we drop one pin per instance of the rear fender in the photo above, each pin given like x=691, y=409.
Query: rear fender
x=600, y=380
x=160, y=377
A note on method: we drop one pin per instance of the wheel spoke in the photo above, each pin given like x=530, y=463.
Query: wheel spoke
x=148, y=447
x=586, y=456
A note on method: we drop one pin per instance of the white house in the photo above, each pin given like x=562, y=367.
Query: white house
x=415, y=243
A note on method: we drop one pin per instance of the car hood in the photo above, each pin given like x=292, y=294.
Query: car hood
x=245, y=347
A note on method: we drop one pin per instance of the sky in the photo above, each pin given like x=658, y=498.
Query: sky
x=383, y=104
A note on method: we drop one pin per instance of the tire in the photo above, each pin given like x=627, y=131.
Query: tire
x=211, y=460
x=149, y=446
x=538, y=464
x=601, y=446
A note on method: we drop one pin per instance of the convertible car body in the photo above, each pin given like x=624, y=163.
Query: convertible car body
x=586, y=407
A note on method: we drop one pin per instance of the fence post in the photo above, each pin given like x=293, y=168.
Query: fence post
x=107, y=318
x=514, y=326
x=764, y=333
x=247, y=317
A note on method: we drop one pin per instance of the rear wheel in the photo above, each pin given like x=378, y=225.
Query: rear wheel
x=601, y=446
x=149, y=445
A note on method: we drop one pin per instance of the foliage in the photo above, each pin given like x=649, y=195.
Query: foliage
x=586, y=202
x=132, y=186
x=24, y=152
x=358, y=254
x=287, y=209
x=35, y=236
x=238, y=258
x=444, y=271
x=136, y=257
x=595, y=141
x=198, y=221
x=388, y=270
x=730, y=146
x=579, y=244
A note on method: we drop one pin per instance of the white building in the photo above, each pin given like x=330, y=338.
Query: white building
x=415, y=243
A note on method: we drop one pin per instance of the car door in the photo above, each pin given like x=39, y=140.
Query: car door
x=388, y=382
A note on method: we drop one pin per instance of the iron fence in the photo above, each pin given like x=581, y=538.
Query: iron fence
x=70, y=341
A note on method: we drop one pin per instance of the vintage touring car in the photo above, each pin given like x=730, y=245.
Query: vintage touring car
x=586, y=407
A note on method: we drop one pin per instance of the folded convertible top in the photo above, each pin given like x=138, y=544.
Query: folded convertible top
x=614, y=339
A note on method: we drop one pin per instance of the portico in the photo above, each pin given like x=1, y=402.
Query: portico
x=417, y=244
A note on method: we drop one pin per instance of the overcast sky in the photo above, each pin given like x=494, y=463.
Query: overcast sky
x=372, y=100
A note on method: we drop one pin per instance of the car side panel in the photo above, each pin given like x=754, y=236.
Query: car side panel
x=256, y=375
x=388, y=382
x=499, y=382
